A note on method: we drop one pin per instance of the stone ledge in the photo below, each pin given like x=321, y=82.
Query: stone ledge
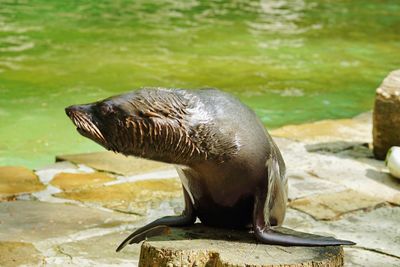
x=204, y=246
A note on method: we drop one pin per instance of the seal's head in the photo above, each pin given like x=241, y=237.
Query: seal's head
x=98, y=121
x=157, y=124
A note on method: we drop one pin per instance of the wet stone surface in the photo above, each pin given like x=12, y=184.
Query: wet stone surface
x=79, y=181
x=133, y=197
x=19, y=253
x=17, y=180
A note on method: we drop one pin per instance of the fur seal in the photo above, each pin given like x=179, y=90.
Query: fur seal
x=232, y=172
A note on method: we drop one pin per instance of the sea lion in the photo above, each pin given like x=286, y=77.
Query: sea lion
x=232, y=172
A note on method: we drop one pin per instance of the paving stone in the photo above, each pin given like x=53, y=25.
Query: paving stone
x=363, y=174
x=375, y=230
x=19, y=253
x=47, y=173
x=61, y=166
x=17, y=180
x=115, y=163
x=295, y=154
x=367, y=176
x=358, y=129
x=31, y=221
x=354, y=257
x=134, y=197
x=79, y=181
x=99, y=251
x=330, y=206
x=302, y=184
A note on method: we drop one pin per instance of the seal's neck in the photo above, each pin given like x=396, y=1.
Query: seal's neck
x=162, y=139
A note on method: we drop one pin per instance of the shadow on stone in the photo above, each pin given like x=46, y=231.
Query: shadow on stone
x=341, y=149
x=384, y=178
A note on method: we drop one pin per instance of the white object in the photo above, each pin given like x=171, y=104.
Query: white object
x=393, y=161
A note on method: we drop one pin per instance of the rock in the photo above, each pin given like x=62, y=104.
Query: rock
x=79, y=181
x=32, y=221
x=19, y=254
x=17, y=180
x=386, y=116
x=357, y=129
x=330, y=206
x=134, y=197
x=204, y=246
x=115, y=163
x=393, y=161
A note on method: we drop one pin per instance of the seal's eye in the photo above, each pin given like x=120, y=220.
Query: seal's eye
x=106, y=109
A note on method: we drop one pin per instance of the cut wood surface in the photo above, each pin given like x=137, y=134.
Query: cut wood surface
x=204, y=246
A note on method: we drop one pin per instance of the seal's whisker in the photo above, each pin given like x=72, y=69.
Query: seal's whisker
x=91, y=127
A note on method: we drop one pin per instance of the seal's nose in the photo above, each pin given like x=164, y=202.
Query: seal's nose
x=69, y=110
x=74, y=109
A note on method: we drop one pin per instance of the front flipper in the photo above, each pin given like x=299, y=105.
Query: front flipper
x=269, y=211
x=269, y=235
x=160, y=226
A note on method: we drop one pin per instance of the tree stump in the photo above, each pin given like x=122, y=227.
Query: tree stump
x=203, y=246
x=386, y=118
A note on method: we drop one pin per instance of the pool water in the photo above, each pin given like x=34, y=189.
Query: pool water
x=291, y=61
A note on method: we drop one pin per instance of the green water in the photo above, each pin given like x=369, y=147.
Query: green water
x=292, y=61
